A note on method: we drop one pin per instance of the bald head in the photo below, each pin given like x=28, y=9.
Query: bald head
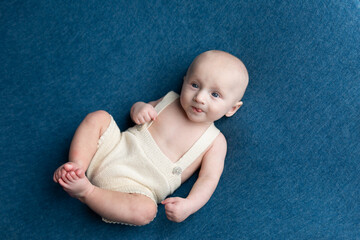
x=223, y=61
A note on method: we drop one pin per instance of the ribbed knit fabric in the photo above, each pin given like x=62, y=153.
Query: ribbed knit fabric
x=132, y=162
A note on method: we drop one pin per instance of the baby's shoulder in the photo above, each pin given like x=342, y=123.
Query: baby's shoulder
x=217, y=151
x=220, y=143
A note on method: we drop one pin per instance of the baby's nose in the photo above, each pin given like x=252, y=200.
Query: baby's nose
x=200, y=97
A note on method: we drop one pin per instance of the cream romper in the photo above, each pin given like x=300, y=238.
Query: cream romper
x=132, y=162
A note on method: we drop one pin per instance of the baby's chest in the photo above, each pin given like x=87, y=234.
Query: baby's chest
x=174, y=133
x=173, y=141
x=173, y=138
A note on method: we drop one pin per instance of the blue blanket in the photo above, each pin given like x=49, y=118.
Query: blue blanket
x=292, y=169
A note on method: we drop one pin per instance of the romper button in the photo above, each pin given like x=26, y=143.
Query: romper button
x=177, y=171
x=139, y=127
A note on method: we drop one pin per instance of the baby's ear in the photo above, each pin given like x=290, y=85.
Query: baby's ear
x=234, y=109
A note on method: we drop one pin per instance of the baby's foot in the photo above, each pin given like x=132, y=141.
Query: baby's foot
x=76, y=184
x=64, y=169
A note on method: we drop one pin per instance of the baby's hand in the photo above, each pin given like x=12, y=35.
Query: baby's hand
x=143, y=112
x=177, y=209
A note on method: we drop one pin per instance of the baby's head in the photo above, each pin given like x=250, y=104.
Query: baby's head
x=213, y=86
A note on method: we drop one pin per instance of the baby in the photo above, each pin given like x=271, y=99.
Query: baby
x=122, y=176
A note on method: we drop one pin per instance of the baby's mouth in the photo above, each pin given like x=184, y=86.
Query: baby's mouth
x=198, y=110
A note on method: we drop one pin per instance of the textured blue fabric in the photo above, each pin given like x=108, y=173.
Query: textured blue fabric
x=292, y=169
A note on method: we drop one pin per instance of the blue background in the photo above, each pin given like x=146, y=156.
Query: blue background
x=292, y=169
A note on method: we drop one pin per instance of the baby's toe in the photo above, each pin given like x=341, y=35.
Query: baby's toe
x=63, y=183
x=63, y=173
x=80, y=173
x=68, y=167
x=69, y=177
x=74, y=176
x=56, y=176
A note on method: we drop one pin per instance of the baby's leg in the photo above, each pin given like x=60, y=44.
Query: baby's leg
x=135, y=209
x=84, y=143
x=128, y=208
x=85, y=140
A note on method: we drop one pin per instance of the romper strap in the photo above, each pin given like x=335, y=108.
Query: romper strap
x=199, y=147
x=167, y=100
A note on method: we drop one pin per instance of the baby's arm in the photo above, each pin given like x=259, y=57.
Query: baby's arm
x=178, y=209
x=143, y=112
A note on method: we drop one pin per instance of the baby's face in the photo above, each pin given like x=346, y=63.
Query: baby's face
x=213, y=87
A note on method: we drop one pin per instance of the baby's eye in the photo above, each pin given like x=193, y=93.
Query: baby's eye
x=194, y=85
x=215, y=95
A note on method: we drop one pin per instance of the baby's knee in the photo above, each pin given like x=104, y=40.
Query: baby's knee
x=144, y=214
x=97, y=118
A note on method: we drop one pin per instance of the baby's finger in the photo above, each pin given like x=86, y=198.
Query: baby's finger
x=168, y=200
x=147, y=118
x=170, y=218
x=173, y=199
x=153, y=115
x=141, y=120
x=170, y=209
x=136, y=121
x=169, y=214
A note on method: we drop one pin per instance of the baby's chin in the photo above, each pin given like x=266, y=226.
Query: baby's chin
x=200, y=118
x=195, y=118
